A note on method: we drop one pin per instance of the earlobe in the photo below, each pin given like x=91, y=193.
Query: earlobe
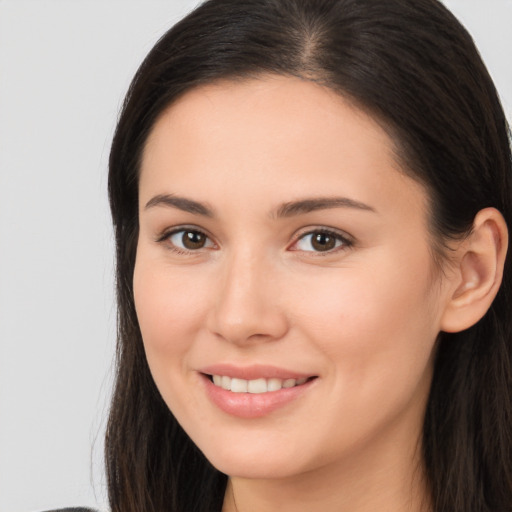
x=479, y=271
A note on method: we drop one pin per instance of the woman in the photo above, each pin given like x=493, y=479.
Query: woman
x=311, y=201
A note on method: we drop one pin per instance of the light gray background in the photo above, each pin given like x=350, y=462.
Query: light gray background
x=64, y=67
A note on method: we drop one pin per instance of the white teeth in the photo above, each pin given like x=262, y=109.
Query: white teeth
x=239, y=385
x=225, y=382
x=274, y=384
x=256, y=385
x=289, y=383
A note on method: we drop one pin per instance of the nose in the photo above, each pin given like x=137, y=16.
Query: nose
x=246, y=308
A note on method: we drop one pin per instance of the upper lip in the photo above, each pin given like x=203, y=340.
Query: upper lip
x=252, y=372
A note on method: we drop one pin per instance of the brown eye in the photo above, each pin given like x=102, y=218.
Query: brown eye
x=321, y=241
x=193, y=240
x=189, y=240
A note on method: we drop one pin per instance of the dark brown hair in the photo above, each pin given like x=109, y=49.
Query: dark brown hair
x=416, y=70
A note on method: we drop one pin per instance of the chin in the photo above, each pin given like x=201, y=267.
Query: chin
x=261, y=468
x=253, y=459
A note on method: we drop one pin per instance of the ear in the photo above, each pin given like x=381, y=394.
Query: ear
x=478, y=273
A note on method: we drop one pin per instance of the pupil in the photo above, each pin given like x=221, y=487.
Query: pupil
x=323, y=242
x=193, y=240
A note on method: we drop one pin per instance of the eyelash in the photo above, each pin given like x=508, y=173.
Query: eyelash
x=166, y=238
x=343, y=241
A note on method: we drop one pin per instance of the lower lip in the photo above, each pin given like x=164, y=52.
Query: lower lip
x=252, y=405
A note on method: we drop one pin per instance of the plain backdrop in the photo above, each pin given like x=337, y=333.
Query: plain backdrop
x=64, y=68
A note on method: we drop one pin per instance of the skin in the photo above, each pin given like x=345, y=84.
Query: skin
x=363, y=317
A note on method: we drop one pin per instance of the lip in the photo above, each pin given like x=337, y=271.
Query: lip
x=252, y=405
x=255, y=371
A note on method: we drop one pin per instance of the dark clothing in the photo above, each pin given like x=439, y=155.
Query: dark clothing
x=73, y=509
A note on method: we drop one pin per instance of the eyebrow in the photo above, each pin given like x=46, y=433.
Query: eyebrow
x=288, y=209
x=321, y=203
x=182, y=203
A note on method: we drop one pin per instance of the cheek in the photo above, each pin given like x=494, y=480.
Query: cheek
x=168, y=310
x=376, y=333
x=380, y=322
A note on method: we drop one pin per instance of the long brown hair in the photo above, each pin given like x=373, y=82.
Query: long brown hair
x=416, y=69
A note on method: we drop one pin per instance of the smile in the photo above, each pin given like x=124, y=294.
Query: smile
x=254, y=397
x=256, y=386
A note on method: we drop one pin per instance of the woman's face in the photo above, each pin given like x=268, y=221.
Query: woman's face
x=284, y=255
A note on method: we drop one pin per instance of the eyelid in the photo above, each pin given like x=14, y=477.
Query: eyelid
x=347, y=240
x=166, y=234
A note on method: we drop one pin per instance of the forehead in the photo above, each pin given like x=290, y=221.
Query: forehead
x=271, y=110
x=279, y=135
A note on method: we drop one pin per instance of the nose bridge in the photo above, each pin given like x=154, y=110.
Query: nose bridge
x=245, y=306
